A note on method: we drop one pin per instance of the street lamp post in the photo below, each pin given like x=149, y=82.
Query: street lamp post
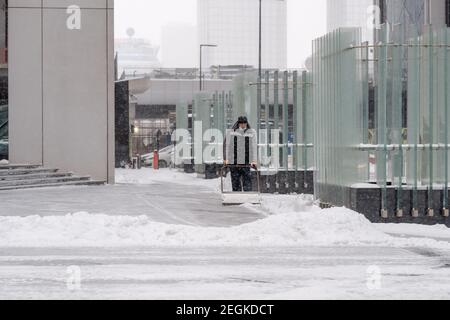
x=260, y=41
x=201, y=57
x=259, y=86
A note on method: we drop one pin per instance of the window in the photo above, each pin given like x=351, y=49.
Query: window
x=447, y=12
x=3, y=76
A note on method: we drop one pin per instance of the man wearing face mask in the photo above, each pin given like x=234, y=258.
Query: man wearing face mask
x=241, y=154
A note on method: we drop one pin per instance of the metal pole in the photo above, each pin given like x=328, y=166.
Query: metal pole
x=201, y=67
x=259, y=89
x=260, y=41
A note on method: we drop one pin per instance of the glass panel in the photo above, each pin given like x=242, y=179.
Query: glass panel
x=3, y=81
x=338, y=104
x=202, y=121
x=286, y=120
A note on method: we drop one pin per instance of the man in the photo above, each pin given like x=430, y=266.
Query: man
x=241, y=154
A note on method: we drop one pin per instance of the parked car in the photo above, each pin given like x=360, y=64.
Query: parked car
x=166, y=158
x=4, y=149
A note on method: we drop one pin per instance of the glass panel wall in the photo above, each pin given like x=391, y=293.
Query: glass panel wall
x=410, y=140
x=338, y=114
x=3, y=79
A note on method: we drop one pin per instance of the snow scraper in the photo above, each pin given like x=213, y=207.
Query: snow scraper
x=240, y=198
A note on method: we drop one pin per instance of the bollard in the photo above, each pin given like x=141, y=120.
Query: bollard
x=156, y=160
x=139, y=162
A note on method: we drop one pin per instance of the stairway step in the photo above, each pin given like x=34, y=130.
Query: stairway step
x=26, y=176
x=43, y=181
x=26, y=171
x=34, y=176
x=18, y=166
x=55, y=185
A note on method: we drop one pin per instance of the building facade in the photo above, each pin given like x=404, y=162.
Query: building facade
x=407, y=18
x=61, y=85
x=3, y=81
x=146, y=111
x=411, y=16
x=351, y=13
x=233, y=25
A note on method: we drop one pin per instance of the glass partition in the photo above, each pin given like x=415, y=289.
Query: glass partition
x=338, y=110
x=3, y=80
x=411, y=136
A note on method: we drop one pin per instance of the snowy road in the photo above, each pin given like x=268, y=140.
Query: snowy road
x=166, y=236
x=226, y=273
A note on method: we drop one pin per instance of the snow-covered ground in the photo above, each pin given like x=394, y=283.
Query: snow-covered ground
x=147, y=176
x=184, y=244
x=289, y=221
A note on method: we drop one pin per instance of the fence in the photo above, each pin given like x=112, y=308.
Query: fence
x=410, y=143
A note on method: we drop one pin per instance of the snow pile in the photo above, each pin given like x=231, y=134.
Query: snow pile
x=299, y=224
x=82, y=229
x=4, y=162
x=150, y=176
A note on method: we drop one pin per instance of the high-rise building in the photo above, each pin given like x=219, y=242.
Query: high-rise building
x=3, y=81
x=409, y=16
x=351, y=13
x=233, y=25
x=413, y=15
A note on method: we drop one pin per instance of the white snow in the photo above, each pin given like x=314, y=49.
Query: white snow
x=291, y=221
x=297, y=251
x=4, y=162
x=416, y=230
x=150, y=176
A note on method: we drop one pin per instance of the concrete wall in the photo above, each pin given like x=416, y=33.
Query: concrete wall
x=61, y=86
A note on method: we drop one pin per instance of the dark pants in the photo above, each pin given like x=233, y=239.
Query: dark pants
x=244, y=175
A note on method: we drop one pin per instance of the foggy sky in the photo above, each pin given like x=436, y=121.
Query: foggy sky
x=306, y=21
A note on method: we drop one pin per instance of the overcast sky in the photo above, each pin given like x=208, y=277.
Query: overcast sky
x=306, y=21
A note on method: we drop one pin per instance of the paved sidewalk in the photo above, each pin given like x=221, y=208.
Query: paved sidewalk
x=165, y=202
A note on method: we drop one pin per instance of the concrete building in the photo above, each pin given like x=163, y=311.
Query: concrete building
x=145, y=106
x=233, y=26
x=179, y=47
x=61, y=85
x=3, y=80
x=413, y=15
x=350, y=13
